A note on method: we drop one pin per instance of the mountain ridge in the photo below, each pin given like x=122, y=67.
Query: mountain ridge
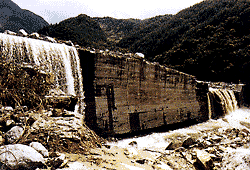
x=82, y=30
x=209, y=40
x=13, y=18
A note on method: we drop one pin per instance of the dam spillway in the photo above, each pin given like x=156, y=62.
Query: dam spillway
x=58, y=61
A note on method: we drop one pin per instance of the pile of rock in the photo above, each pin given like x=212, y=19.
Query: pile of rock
x=205, y=152
x=19, y=156
x=223, y=148
x=32, y=139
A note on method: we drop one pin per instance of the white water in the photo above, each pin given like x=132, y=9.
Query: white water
x=158, y=140
x=59, y=60
x=227, y=97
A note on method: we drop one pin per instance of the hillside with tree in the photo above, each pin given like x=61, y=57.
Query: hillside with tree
x=119, y=29
x=82, y=30
x=13, y=18
x=210, y=40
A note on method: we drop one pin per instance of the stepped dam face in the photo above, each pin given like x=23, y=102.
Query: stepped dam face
x=117, y=93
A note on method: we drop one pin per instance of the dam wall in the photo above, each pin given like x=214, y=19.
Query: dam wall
x=129, y=94
x=116, y=93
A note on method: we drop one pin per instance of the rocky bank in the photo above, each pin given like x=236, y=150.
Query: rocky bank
x=38, y=138
x=60, y=141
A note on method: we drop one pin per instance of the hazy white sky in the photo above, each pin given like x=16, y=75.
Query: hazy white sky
x=57, y=10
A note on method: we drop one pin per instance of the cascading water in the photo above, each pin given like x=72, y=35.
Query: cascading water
x=59, y=60
x=221, y=101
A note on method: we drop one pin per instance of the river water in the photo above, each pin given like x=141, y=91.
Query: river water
x=234, y=158
x=158, y=139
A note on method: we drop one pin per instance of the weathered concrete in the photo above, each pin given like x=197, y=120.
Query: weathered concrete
x=128, y=93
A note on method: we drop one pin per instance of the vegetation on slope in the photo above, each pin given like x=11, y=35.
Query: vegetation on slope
x=116, y=29
x=209, y=40
x=119, y=29
x=82, y=30
x=13, y=18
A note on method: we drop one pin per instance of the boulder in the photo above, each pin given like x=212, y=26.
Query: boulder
x=174, y=145
x=133, y=143
x=50, y=39
x=34, y=35
x=7, y=109
x=141, y=161
x=188, y=142
x=22, y=32
x=9, y=32
x=203, y=160
x=66, y=102
x=9, y=123
x=14, y=134
x=139, y=55
x=69, y=43
x=40, y=148
x=58, y=161
x=215, y=139
x=20, y=156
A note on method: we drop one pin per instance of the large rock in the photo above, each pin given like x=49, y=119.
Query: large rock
x=23, y=33
x=189, y=142
x=7, y=109
x=34, y=35
x=9, y=32
x=62, y=134
x=14, y=134
x=40, y=148
x=20, y=156
x=203, y=160
x=174, y=145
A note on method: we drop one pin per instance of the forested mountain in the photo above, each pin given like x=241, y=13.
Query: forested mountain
x=101, y=32
x=118, y=29
x=82, y=30
x=210, y=40
x=13, y=18
x=217, y=47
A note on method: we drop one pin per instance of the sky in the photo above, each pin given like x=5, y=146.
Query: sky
x=54, y=11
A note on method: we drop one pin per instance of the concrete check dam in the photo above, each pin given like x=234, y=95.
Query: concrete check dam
x=117, y=93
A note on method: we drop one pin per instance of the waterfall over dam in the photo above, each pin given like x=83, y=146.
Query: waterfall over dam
x=59, y=61
x=221, y=102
